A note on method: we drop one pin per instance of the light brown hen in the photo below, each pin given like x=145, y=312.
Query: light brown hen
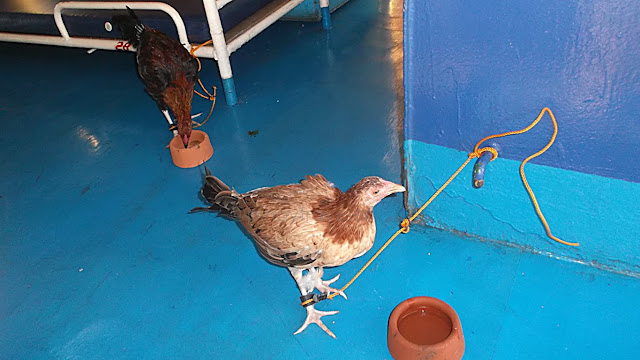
x=305, y=226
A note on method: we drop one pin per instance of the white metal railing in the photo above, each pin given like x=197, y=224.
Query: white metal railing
x=95, y=5
x=236, y=43
x=103, y=44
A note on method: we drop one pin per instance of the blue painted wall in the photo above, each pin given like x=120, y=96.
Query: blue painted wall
x=478, y=68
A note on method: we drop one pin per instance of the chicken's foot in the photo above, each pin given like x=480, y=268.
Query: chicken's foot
x=314, y=316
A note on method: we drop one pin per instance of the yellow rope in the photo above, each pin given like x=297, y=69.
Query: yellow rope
x=404, y=226
x=209, y=96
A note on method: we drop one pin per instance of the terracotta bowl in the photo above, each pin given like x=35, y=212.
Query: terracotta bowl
x=199, y=150
x=425, y=328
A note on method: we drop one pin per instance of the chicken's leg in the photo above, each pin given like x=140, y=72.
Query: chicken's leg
x=315, y=275
x=306, y=284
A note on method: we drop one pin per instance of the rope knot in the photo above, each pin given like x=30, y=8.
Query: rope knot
x=405, y=226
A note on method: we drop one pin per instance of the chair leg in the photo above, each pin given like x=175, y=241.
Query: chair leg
x=230, y=91
x=221, y=51
x=326, y=14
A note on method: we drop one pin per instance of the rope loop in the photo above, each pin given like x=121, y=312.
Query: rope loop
x=477, y=153
x=493, y=152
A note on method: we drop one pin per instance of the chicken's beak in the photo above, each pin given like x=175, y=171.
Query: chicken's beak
x=392, y=188
x=185, y=141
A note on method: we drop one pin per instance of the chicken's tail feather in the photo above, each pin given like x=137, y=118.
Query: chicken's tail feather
x=212, y=186
x=219, y=195
x=130, y=26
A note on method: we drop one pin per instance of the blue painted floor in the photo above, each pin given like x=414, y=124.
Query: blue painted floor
x=99, y=259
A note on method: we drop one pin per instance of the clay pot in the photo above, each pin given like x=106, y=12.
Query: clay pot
x=425, y=328
x=198, y=151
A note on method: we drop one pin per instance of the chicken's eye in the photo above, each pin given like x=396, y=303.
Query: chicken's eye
x=376, y=192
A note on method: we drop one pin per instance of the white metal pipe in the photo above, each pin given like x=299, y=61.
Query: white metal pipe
x=217, y=36
x=206, y=51
x=84, y=42
x=256, y=29
x=222, y=3
x=107, y=5
x=78, y=42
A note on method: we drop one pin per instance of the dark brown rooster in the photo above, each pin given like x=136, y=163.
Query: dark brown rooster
x=167, y=69
x=305, y=226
